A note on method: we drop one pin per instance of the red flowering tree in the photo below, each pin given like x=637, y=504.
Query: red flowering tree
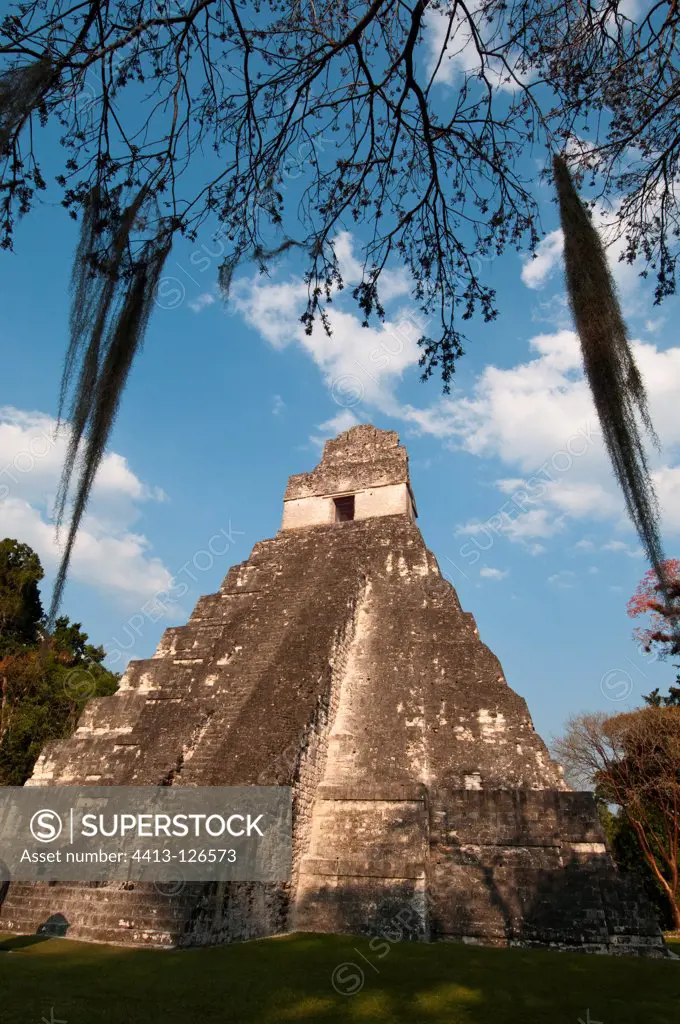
x=663, y=626
x=662, y=632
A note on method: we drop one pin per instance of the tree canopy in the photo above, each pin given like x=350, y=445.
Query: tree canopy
x=633, y=761
x=181, y=117
x=20, y=607
x=661, y=603
x=46, y=678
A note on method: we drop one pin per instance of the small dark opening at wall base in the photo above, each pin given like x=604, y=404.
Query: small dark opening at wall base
x=344, y=508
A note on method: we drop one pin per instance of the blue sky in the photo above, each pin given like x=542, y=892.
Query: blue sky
x=513, y=488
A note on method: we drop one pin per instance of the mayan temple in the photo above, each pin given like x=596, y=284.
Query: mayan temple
x=338, y=660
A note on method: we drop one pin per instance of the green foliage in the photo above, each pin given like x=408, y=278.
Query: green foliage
x=625, y=849
x=659, y=700
x=20, y=608
x=45, y=679
x=633, y=761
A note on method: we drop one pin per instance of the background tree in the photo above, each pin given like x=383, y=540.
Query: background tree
x=20, y=608
x=143, y=91
x=46, y=678
x=625, y=849
x=658, y=635
x=656, y=699
x=633, y=761
x=662, y=633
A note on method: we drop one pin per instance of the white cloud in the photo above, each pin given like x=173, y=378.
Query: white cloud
x=537, y=522
x=548, y=256
x=553, y=310
x=620, y=547
x=493, y=574
x=536, y=418
x=536, y=549
x=522, y=529
x=108, y=553
x=203, y=300
x=393, y=283
x=32, y=454
x=273, y=308
x=278, y=405
x=629, y=9
x=563, y=579
x=359, y=364
x=336, y=425
x=667, y=484
x=617, y=546
x=524, y=414
x=461, y=56
x=655, y=324
x=539, y=269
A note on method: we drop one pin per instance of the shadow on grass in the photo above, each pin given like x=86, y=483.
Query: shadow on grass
x=21, y=942
x=295, y=978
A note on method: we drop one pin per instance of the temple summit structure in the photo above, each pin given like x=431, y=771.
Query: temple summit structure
x=338, y=660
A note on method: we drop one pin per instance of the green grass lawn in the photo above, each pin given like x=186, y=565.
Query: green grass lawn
x=291, y=979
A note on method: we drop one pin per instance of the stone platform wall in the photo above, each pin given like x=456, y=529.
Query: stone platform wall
x=500, y=867
x=531, y=867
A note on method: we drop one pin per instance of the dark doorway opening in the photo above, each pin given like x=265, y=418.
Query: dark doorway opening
x=344, y=508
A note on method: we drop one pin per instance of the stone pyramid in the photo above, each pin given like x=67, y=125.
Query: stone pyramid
x=338, y=660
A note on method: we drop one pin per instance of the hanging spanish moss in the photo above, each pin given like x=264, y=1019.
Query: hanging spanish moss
x=112, y=295
x=100, y=269
x=610, y=369
x=21, y=90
